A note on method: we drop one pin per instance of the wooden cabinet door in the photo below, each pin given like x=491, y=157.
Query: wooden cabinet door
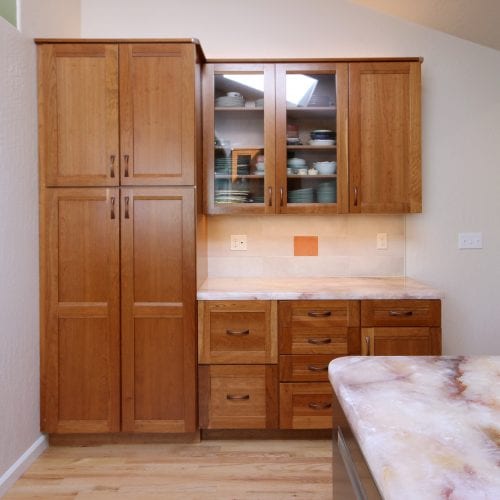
x=401, y=341
x=157, y=113
x=78, y=114
x=80, y=342
x=384, y=137
x=158, y=310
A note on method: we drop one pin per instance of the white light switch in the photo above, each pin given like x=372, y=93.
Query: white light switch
x=470, y=240
x=381, y=241
x=238, y=242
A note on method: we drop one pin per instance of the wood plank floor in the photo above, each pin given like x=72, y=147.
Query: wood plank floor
x=222, y=469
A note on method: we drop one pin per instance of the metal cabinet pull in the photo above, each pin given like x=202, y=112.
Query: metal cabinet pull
x=270, y=200
x=355, y=196
x=127, y=203
x=315, y=368
x=238, y=333
x=112, y=201
x=281, y=196
x=125, y=157
x=319, y=314
x=320, y=406
x=400, y=313
x=238, y=397
x=319, y=341
x=112, y=167
x=368, y=346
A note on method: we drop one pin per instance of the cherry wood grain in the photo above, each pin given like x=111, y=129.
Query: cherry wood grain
x=158, y=309
x=384, y=137
x=80, y=310
x=402, y=312
x=78, y=114
x=157, y=114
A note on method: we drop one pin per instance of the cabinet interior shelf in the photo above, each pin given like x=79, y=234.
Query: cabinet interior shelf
x=239, y=108
x=310, y=148
x=229, y=176
x=317, y=176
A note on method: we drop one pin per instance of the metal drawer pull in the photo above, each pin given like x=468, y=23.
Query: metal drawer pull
x=319, y=314
x=270, y=191
x=281, y=196
x=400, y=313
x=319, y=341
x=320, y=406
x=315, y=368
x=238, y=397
x=112, y=207
x=368, y=346
x=238, y=333
x=127, y=202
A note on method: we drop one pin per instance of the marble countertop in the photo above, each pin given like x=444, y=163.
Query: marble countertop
x=314, y=289
x=429, y=427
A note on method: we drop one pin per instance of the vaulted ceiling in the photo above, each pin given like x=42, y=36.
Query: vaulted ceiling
x=474, y=20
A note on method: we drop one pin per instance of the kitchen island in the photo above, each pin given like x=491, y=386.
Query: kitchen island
x=427, y=427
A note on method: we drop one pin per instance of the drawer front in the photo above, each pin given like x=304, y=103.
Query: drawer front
x=242, y=332
x=305, y=367
x=401, y=313
x=319, y=327
x=238, y=397
x=306, y=405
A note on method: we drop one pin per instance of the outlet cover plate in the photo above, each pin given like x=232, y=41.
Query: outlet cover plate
x=470, y=240
x=381, y=241
x=238, y=242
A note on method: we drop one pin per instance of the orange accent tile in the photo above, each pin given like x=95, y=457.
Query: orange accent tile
x=305, y=246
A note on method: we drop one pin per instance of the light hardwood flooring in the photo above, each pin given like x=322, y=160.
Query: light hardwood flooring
x=222, y=469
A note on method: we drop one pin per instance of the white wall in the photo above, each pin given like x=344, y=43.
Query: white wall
x=461, y=124
x=49, y=18
x=19, y=309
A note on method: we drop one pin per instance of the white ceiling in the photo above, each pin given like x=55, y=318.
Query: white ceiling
x=474, y=20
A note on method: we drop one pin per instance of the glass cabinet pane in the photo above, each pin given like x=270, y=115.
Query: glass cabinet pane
x=311, y=138
x=239, y=155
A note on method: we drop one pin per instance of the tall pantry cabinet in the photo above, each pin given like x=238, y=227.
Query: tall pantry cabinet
x=120, y=158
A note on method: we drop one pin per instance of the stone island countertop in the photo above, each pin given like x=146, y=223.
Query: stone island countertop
x=428, y=427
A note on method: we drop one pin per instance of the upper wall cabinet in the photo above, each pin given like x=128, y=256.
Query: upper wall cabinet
x=312, y=137
x=117, y=114
x=384, y=137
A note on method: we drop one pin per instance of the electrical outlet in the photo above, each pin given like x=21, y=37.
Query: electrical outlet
x=381, y=241
x=238, y=242
x=470, y=240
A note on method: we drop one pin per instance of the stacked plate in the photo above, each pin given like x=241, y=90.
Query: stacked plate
x=305, y=195
x=327, y=192
x=227, y=101
x=322, y=137
x=231, y=196
x=223, y=165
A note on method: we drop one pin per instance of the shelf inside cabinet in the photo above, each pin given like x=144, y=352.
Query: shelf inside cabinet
x=293, y=147
x=249, y=176
x=317, y=176
x=239, y=108
x=317, y=112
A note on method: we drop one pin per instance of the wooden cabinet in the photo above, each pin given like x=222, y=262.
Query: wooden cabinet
x=401, y=327
x=311, y=334
x=384, y=137
x=119, y=359
x=158, y=310
x=274, y=131
x=238, y=372
x=84, y=141
x=80, y=317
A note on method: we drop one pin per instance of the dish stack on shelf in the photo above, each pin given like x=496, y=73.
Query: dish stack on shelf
x=292, y=134
x=232, y=196
x=304, y=195
x=260, y=166
x=223, y=166
x=327, y=192
x=231, y=100
x=323, y=137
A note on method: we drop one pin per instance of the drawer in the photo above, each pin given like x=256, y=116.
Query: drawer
x=319, y=327
x=240, y=332
x=238, y=396
x=306, y=405
x=401, y=313
x=304, y=367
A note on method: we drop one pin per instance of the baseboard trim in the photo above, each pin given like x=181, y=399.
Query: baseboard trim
x=17, y=469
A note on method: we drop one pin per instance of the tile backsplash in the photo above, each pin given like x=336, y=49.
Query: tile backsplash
x=346, y=246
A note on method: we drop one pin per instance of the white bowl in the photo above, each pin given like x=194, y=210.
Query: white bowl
x=296, y=162
x=326, y=167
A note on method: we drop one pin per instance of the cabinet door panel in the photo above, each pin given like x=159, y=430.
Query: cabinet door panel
x=401, y=341
x=80, y=317
x=157, y=113
x=78, y=116
x=158, y=310
x=384, y=137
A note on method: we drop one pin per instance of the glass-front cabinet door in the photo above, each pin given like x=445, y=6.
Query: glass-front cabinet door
x=311, y=137
x=239, y=138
